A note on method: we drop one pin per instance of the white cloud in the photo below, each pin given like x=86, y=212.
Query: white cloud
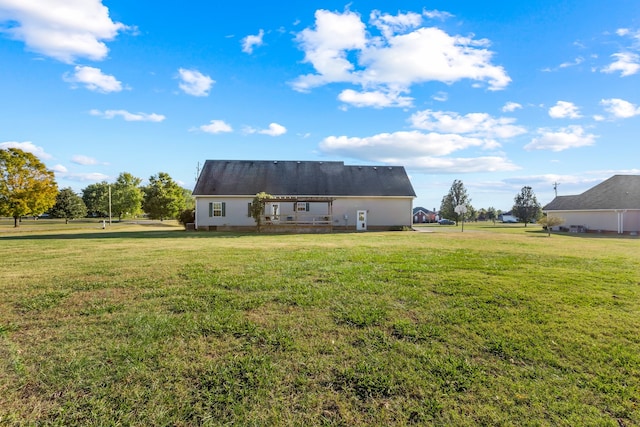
x=479, y=125
x=563, y=139
x=28, y=147
x=510, y=107
x=341, y=50
x=274, y=130
x=619, y=108
x=417, y=150
x=437, y=14
x=579, y=60
x=392, y=24
x=60, y=169
x=440, y=96
x=249, y=42
x=84, y=177
x=193, y=82
x=127, y=116
x=61, y=29
x=93, y=79
x=83, y=160
x=376, y=99
x=627, y=63
x=564, y=110
x=216, y=126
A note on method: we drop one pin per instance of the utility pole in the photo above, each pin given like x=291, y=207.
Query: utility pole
x=555, y=187
x=109, y=204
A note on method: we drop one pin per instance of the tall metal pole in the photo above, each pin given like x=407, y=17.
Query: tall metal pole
x=109, y=204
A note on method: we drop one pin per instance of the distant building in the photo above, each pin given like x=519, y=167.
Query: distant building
x=422, y=215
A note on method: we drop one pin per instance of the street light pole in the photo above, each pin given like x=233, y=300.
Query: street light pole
x=109, y=204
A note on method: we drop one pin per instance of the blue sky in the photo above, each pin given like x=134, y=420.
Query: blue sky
x=498, y=94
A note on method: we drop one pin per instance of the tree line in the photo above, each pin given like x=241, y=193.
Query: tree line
x=525, y=206
x=28, y=188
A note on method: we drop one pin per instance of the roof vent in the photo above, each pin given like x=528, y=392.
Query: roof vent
x=275, y=162
x=375, y=168
x=390, y=168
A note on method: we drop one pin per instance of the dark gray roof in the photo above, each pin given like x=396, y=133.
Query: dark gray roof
x=420, y=208
x=617, y=192
x=304, y=178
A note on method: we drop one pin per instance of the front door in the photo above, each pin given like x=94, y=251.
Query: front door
x=361, y=221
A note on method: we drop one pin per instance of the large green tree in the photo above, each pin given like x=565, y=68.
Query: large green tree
x=526, y=207
x=126, y=196
x=27, y=187
x=96, y=198
x=163, y=197
x=68, y=205
x=457, y=196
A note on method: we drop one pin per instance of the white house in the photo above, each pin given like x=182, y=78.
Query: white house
x=611, y=206
x=307, y=196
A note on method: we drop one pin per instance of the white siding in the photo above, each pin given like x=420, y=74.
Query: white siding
x=601, y=220
x=381, y=212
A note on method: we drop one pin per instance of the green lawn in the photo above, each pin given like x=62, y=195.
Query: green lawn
x=146, y=324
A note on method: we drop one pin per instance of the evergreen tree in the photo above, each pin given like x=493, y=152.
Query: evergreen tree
x=526, y=207
x=68, y=206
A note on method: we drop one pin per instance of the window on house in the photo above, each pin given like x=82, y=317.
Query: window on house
x=302, y=206
x=216, y=209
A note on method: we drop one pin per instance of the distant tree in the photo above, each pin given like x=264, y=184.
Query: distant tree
x=126, y=196
x=492, y=215
x=189, y=201
x=257, y=207
x=163, y=197
x=27, y=187
x=526, y=207
x=457, y=196
x=549, y=221
x=472, y=213
x=68, y=206
x=96, y=199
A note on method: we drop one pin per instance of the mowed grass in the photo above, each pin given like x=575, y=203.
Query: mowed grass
x=151, y=325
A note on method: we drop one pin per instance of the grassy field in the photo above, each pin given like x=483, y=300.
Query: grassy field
x=146, y=324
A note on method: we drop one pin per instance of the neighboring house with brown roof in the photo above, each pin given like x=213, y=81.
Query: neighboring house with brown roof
x=308, y=196
x=611, y=206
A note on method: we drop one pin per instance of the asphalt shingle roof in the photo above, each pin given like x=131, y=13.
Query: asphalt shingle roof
x=617, y=192
x=301, y=178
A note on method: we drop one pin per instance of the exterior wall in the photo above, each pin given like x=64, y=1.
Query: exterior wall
x=236, y=212
x=382, y=213
x=600, y=220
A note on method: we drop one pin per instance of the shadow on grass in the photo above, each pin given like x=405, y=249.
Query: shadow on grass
x=543, y=233
x=152, y=234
